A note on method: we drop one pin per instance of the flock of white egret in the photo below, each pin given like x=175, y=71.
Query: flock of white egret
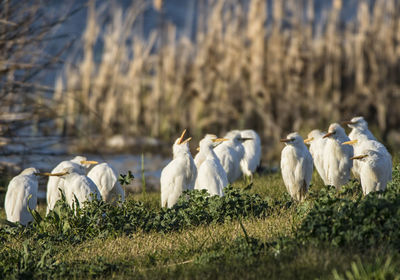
x=219, y=162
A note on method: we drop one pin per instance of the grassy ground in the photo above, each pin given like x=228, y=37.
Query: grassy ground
x=215, y=250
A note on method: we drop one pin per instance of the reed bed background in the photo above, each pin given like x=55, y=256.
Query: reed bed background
x=271, y=67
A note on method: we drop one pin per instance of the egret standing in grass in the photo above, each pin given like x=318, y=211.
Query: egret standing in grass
x=252, y=152
x=317, y=145
x=200, y=157
x=211, y=175
x=179, y=175
x=337, y=163
x=21, y=194
x=359, y=132
x=230, y=153
x=106, y=180
x=374, y=164
x=78, y=164
x=78, y=186
x=296, y=166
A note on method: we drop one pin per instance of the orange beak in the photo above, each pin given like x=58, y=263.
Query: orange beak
x=328, y=134
x=359, y=157
x=181, y=138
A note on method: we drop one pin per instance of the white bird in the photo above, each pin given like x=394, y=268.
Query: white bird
x=359, y=128
x=179, y=175
x=20, y=188
x=230, y=153
x=106, y=180
x=337, y=164
x=200, y=157
x=252, y=152
x=360, y=132
x=211, y=175
x=374, y=164
x=296, y=166
x=317, y=145
x=78, y=186
x=79, y=165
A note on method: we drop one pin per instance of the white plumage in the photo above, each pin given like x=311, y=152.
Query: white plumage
x=230, y=153
x=211, y=175
x=317, y=146
x=78, y=164
x=106, y=180
x=296, y=166
x=374, y=164
x=200, y=157
x=338, y=163
x=18, y=192
x=179, y=175
x=359, y=131
x=252, y=152
x=79, y=186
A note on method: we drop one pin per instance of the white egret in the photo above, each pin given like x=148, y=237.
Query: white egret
x=359, y=131
x=211, y=175
x=230, y=153
x=20, y=188
x=200, y=157
x=337, y=163
x=79, y=165
x=317, y=145
x=79, y=186
x=21, y=193
x=252, y=152
x=296, y=166
x=106, y=180
x=374, y=164
x=179, y=175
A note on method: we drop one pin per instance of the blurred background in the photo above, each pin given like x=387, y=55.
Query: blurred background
x=115, y=79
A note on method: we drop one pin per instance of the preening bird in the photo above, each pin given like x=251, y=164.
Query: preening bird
x=230, y=153
x=16, y=201
x=179, y=175
x=374, y=164
x=200, y=157
x=317, y=145
x=337, y=163
x=21, y=193
x=79, y=186
x=252, y=152
x=359, y=131
x=296, y=166
x=78, y=164
x=211, y=175
x=106, y=180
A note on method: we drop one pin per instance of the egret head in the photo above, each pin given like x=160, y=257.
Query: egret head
x=314, y=135
x=83, y=161
x=29, y=171
x=366, y=156
x=210, y=143
x=335, y=131
x=180, y=145
x=293, y=139
x=356, y=123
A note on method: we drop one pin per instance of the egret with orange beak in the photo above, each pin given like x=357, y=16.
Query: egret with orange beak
x=179, y=175
x=374, y=164
x=230, y=153
x=317, y=146
x=78, y=164
x=296, y=166
x=211, y=175
x=337, y=163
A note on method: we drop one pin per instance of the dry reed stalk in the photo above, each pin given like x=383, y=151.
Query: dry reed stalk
x=292, y=73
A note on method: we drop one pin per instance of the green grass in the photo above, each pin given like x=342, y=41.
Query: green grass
x=280, y=243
